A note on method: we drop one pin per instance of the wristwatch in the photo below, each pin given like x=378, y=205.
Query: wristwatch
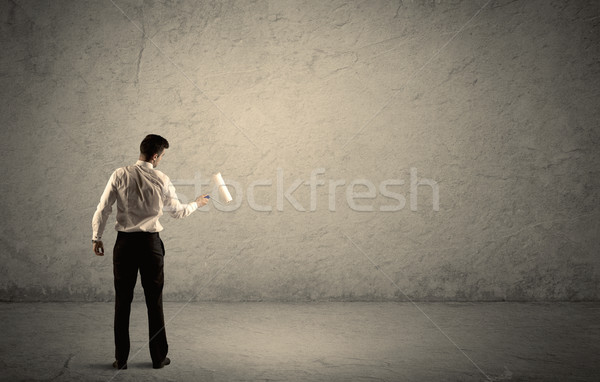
x=95, y=241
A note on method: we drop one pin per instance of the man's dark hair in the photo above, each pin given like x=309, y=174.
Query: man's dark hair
x=153, y=144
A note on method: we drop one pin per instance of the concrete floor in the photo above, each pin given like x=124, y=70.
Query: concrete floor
x=309, y=342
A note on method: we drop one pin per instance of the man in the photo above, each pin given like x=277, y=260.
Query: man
x=141, y=193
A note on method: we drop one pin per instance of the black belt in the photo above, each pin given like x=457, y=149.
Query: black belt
x=137, y=233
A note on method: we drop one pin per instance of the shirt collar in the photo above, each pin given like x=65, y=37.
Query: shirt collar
x=144, y=164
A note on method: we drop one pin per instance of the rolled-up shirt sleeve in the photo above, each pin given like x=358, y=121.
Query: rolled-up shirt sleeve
x=172, y=205
x=104, y=208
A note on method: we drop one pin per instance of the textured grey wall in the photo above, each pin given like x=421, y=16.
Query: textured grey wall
x=496, y=102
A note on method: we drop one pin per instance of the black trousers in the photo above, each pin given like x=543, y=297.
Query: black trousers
x=143, y=251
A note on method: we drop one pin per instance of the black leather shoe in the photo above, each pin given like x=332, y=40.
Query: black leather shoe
x=162, y=364
x=120, y=366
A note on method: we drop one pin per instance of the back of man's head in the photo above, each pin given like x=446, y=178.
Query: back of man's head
x=153, y=144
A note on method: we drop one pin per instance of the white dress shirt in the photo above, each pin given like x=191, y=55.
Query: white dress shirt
x=142, y=193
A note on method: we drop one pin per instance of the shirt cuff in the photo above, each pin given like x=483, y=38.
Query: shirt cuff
x=194, y=205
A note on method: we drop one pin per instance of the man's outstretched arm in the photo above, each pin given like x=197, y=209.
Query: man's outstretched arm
x=175, y=208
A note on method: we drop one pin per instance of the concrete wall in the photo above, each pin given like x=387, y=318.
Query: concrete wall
x=494, y=104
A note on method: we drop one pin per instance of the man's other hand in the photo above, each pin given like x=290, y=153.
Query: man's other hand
x=202, y=200
x=98, y=248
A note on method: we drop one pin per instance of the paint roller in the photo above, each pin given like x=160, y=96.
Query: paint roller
x=223, y=191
